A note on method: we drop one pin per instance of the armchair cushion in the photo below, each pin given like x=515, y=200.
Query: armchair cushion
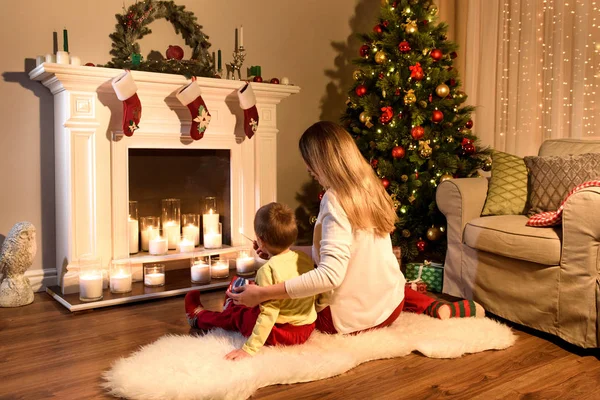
x=507, y=235
x=507, y=191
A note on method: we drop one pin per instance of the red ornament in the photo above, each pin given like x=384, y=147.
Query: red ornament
x=385, y=182
x=453, y=55
x=89, y=64
x=364, y=50
x=381, y=75
x=395, y=4
x=437, y=116
x=468, y=148
x=360, y=90
x=387, y=113
x=424, y=22
x=321, y=194
x=397, y=92
x=421, y=245
x=469, y=124
x=400, y=115
x=404, y=47
x=374, y=163
x=430, y=97
x=386, y=23
x=436, y=54
x=378, y=29
x=275, y=81
x=466, y=141
x=257, y=79
x=416, y=72
x=417, y=132
x=398, y=152
x=174, y=53
x=452, y=82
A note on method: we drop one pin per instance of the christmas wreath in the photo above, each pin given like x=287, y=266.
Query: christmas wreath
x=132, y=25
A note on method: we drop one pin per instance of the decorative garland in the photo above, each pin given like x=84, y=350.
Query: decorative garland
x=132, y=25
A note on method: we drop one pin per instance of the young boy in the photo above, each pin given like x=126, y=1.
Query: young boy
x=283, y=322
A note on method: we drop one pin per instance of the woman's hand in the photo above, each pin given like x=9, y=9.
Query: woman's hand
x=258, y=250
x=247, y=295
x=237, y=355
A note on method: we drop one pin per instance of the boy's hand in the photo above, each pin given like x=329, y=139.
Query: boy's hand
x=260, y=253
x=237, y=355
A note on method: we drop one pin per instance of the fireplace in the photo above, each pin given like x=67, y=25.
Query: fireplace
x=99, y=170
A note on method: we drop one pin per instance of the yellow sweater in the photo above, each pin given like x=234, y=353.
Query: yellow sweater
x=300, y=311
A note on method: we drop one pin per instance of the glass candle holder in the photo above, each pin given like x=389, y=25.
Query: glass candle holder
x=210, y=218
x=90, y=278
x=219, y=268
x=154, y=275
x=171, y=220
x=213, y=239
x=158, y=245
x=150, y=228
x=185, y=245
x=133, y=228
x=244, y=264
x=200, y=269
x=120, y=276
x=190, y=227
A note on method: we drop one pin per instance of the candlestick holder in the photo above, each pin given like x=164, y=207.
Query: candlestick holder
x=236, y=65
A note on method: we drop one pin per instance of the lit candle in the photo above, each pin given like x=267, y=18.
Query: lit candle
x=90, y=287
x=219, y=60
x=120, y=282
x=244, y=264
x=134, y=236
x=185, y=245
x=192, y=232
x=172, y=231
x=65, y=41
x=158, y=246
x=210, y=221
x=213, y=240
x=219, y=269
x=154, y=279
x=241, y=36
x=148, y=234
x=200, y=273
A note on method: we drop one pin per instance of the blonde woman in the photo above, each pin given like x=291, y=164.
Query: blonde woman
x=357, y=278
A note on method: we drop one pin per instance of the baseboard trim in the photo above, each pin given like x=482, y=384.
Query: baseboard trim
x=41, y=279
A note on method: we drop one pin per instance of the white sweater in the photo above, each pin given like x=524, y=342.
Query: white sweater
x=357, y=272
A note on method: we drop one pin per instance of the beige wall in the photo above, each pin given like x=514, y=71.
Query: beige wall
x=310, y=41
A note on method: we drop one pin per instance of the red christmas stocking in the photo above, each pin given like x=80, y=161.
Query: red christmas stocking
x=126, y=89
x=189, y=96
x=248, y=104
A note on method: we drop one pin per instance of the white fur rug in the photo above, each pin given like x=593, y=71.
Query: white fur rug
x=192, y=367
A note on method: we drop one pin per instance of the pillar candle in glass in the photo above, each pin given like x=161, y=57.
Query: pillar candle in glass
x=200, y=269
x=191, y=227
x=120, y=276
x=150, y=228
x=219, y=268
x=185, y=245
x=133, y=228
x=90, y=278
x=210, y=218
x=158, y=245
x=213, y=239
x=171, y=220
x=154, y=275
x=244, y=264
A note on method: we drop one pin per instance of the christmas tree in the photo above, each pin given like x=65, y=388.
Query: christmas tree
x=406, y=113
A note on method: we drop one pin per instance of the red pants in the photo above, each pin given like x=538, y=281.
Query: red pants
x=414, y=302
x=242, y=319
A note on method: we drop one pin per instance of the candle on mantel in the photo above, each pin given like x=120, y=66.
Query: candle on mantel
x=185, y=245
x=171, y=230
x=219, y=60
x=236, y=40
x=90, y=287
x=241, y=36
x=134, y=236
x=158, y=246
x=210, y=221
x=244, y=264
x=149, y=233
x=219, y=269
x=213, y=240
x=154, y=279
x=120, y=282
x=65, y=40
x=192, y=232
x=200, y=272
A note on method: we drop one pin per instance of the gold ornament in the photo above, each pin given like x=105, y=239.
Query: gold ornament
x=450, y=139
x=380, y=57
x=412, y=198
x=364, y=117
x=434, y=234
x=445, y=177
x=313, y=219
x=423, y=104
x=404, y=178
x=426, y=51
x=406, y=233
x=410, y=97
x=368, y=124
x=433, y=9
x=487, y=165
x=424, y=149
x=442, y=90
x=383, y=93
x=411, y=27
x=413, y=1
x=358, y=75
x=396, y=205
x=384, y=3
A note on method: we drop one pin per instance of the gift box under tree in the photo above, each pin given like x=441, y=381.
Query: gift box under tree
x=431, y=273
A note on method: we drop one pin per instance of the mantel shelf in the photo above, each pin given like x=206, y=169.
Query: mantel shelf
x=144, y=257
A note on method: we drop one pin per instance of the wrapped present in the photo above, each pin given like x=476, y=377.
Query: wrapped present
x=418, y=286
x=431, y=273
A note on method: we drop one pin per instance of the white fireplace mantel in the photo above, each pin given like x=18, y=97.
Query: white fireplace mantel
x=91, y=152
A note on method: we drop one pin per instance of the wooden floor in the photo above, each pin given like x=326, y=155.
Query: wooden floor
x=47, y=352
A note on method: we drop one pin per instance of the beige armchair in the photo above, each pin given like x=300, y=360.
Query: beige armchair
x=544, y=278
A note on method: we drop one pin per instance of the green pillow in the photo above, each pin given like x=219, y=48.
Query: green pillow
x=507, y=190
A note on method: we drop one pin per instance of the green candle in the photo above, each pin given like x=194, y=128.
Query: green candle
x=65, y=41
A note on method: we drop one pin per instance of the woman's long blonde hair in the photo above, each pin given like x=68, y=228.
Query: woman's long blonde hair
x=330, y=152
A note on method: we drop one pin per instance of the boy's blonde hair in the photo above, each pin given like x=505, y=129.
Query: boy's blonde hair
x=332, y=155
x=275, y=224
